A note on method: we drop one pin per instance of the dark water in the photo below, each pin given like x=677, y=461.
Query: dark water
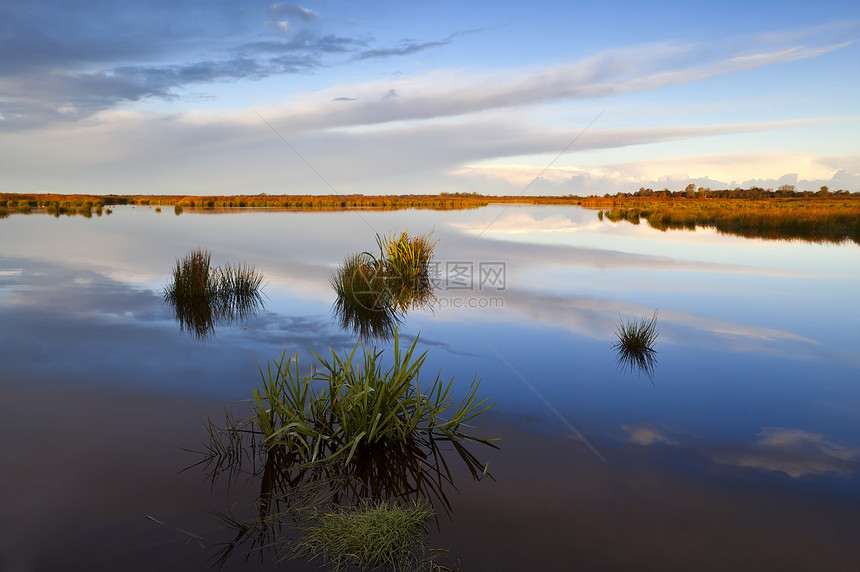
x=742, y=452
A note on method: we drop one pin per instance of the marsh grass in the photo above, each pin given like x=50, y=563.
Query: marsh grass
x=363, y=302
x=372, y=535
x=634, y=345
x=375, y=291
x=821, y=221
x=203, y=295
x=350, y=404
x=405, y=261
x=350, y=433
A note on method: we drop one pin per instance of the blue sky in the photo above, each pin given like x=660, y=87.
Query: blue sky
x=230, y=97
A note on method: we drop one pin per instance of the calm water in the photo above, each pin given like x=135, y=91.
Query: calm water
x=743, y=451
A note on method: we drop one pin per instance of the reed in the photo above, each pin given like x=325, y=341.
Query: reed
x=363, y=302
x=405, y=262
x=357, y=404
x=203, y=295
x=373, y=292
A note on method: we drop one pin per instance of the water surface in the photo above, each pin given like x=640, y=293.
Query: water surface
x=743, y=452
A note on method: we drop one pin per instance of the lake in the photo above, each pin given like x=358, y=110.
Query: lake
x=740, y=450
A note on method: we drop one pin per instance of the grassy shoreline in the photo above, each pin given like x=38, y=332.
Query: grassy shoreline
x=754, y=213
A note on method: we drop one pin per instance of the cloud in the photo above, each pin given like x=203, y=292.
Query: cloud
x=448, y=93
x=48, y=75
x=795, y=452
x=647, y=436
x=294, y=10
x=281, y=25
x=86, y=61
x=718, y=171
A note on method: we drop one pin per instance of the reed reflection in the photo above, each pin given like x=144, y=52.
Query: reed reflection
x=375, y=292
x=203, y=296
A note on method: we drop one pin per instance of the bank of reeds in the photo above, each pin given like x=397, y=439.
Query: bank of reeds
x=815, y=220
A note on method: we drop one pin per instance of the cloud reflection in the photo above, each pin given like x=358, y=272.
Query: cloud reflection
x=795, y=452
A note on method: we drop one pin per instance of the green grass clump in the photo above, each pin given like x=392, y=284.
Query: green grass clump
x=348, y=405
x=374, y=291
x=635, y=344
x=203, y=295
x=363, y=301
x=371, y=536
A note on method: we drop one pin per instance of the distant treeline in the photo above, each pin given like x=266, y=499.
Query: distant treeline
x=692, y=192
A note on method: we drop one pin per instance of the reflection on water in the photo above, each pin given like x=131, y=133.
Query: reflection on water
x=749, y=441
x=821, y=223
x=293, y=492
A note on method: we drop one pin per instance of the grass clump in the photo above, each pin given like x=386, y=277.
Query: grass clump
x=374, y=291
x=363, y=301
x=203, y=295
x=634, y=344
x=348, y=405
x=371, y=536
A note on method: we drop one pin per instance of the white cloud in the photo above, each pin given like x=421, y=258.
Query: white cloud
x=646, y=436
x=718, y=171
x=281, y=25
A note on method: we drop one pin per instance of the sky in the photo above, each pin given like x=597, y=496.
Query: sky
x=222, y=97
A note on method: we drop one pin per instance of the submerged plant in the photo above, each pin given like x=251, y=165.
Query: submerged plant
x=203, y=295
x=371, y=536
x=635, y=344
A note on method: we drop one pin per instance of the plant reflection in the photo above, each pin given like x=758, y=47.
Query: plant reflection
x=375, y=292
x=203, y=296
x=292, y=493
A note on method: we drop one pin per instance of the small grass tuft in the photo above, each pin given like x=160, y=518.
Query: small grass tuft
x=635, y=344
x=373, y=292
x=371, y=536
x=203, y=295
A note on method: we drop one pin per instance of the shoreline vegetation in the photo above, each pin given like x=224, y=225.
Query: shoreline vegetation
x=784, y=213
